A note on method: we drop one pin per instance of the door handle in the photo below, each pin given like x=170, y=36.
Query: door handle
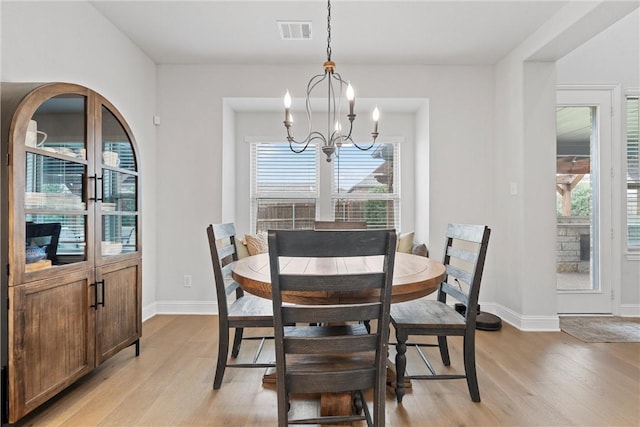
x=95, y=295
x=101, y=282
x=95, y=197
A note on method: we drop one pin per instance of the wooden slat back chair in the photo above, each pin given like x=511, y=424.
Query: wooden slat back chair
x=339, y=356
x=45, y=235
x=340, y=225
x=245, y=311
x=465, y=251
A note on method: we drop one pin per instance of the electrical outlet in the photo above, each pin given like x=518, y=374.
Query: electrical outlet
x=187, y=281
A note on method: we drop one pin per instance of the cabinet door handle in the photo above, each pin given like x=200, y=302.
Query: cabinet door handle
x=95, y=295
x=95, y=197
x=101, y=282
x=83, y=190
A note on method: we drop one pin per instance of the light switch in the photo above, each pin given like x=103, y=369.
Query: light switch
x=514, y=188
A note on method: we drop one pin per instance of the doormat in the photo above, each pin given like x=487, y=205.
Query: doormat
x=602, y=328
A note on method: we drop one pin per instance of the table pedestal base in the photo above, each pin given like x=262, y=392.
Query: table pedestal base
x=341, y=403
x=336, y=404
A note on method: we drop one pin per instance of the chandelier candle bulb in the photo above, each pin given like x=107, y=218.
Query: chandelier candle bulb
x=375, y=116
x=351, y=97
x=287, y=106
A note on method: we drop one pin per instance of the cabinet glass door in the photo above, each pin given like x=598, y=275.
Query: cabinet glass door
x=119, y=207
x=55, y=202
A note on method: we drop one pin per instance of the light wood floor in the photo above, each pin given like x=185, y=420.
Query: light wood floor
x=526, y=379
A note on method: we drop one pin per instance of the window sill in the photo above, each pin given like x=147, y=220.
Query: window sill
x=632, y=255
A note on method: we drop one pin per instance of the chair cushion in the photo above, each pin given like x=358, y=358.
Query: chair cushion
x=424, y=313
x=405, y=242
x=241, y=249
x=256, y=243
x=420, y=250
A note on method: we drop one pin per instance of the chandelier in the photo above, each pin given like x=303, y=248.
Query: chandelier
x=334, y=138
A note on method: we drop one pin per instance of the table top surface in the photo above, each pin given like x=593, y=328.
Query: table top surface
x=413, y=276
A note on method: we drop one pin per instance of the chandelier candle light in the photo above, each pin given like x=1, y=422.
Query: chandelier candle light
x=334, y=139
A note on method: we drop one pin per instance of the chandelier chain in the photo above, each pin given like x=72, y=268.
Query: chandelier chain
x=333, y=140
x=329, y=30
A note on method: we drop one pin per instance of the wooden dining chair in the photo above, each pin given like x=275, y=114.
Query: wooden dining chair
x=46, y=236
x=465, y=252
x=244, y=311
x=339, y=356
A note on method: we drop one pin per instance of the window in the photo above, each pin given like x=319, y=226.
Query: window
x=633, y=172
x=284, y=186
x=286, y=189
x=364, y=186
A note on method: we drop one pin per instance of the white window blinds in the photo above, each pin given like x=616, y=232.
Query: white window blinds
x=365, y=187
x=284, y=186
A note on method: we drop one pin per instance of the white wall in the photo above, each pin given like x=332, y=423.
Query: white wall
x=191, y=102
x=613, y=57
x=525, y=149
x=470, y=141
x=72, y=42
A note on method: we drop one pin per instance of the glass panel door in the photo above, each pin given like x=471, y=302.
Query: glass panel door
x=584, y=201
x=575, y=197
x=55, y=202
x=119, y=204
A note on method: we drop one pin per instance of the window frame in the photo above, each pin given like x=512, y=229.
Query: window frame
x=631, y=140
x=324, y=194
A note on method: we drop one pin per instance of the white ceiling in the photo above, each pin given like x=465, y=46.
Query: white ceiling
x=363, y=31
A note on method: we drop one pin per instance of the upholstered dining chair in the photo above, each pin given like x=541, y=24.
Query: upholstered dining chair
x=465, y=252
x=244, y=311
x=339, y=356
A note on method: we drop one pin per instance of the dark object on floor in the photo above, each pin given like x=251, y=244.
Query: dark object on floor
x=484, y=321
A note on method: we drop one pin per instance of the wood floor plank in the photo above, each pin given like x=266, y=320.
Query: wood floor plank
x=526, y=379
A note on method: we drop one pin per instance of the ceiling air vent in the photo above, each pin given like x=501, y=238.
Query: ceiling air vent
x=295, y=30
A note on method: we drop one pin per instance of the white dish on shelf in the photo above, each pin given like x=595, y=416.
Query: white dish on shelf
x=66, y=151
x=111, y=248
x=58, y=201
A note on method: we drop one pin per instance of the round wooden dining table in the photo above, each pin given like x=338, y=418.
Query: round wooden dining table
x=413, y=276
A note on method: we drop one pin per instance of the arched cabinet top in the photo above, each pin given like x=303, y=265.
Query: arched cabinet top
x=72, y=161
x=27, y=98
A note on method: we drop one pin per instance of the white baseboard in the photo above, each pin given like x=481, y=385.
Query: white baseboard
x=148, y=311
x=630, y=310
x=549, y=323
x=179, y=307
x=522, y=322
